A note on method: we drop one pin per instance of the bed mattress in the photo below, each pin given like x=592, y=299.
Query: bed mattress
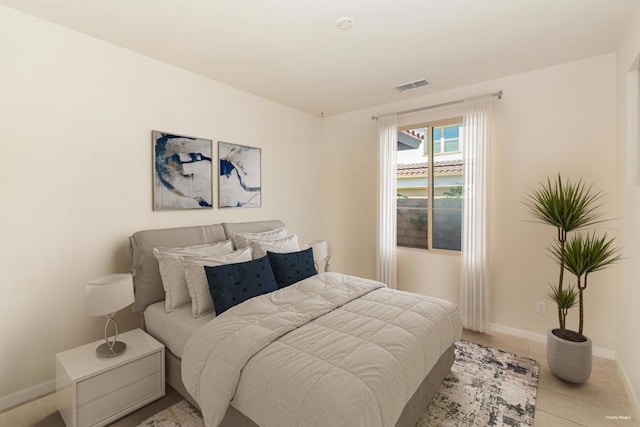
x=173, y=329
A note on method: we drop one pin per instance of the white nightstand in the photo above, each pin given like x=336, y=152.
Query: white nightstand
x=93, y=391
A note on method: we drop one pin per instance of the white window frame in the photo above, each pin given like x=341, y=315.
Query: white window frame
x=444, y=140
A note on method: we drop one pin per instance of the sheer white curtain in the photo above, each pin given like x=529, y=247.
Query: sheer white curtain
x=474, y=287
x=387, y=193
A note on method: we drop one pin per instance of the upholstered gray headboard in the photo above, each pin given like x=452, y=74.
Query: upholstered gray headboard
x=146, y=274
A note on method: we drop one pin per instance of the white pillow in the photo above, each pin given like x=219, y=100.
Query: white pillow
x=173, y=279
x=241, y=240
x=259, y=248
x=201, y=301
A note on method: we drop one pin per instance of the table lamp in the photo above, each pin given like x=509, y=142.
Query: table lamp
x=319, y=250
x=105, y=295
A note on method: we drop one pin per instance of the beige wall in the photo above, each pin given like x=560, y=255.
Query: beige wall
x=76, y=116
x=628, y=186
x=561, y=118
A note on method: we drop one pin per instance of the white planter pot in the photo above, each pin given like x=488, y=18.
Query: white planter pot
x=568, y=360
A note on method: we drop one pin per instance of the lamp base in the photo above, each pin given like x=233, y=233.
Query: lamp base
x=104, y=350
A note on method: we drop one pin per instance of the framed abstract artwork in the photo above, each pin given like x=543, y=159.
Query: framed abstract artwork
x=239, y=178
x=182, y=172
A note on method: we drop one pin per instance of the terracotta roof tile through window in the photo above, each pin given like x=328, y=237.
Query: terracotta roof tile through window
x=447, y=166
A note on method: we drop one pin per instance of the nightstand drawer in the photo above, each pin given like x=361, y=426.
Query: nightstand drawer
x=117, y=378
x=119, y=401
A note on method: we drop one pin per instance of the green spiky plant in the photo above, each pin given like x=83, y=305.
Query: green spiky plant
x=565, y=298
x=569, y=206
x=583, y=255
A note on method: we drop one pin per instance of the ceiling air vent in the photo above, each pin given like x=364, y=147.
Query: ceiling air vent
x=419, y=84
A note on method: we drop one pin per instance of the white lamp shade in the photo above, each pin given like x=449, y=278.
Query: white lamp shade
x=319, y=249
x=108, y=294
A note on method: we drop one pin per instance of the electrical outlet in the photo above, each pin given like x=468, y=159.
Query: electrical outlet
x=541, y=307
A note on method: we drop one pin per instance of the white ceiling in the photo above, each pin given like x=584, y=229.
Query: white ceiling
x=290, y=51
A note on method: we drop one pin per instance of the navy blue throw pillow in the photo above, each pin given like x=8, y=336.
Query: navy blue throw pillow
x=232, y=284
x=292, y=267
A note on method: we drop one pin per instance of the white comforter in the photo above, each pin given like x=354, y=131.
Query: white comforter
x=331, y=350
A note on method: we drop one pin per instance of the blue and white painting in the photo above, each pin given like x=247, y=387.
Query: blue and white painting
x=182, y=172
x=239, y=179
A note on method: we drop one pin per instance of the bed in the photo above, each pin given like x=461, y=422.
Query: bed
x=243, y=348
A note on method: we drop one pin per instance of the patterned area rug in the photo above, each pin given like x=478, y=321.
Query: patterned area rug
x=486, y=387
x=181, y=414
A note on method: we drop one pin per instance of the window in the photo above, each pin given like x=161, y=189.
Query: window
x=430, y=215
x=446, y=139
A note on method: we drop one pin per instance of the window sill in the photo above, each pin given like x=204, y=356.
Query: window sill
x=431, y=251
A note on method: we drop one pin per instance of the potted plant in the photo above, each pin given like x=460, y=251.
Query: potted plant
x=568, y=207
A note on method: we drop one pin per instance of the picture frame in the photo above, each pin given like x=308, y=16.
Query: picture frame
x=240, y=176
x=182, y=172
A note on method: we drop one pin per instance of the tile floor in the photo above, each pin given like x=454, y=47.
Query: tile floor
x=601, y=401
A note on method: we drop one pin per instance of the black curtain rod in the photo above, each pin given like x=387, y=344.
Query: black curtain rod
x=429, y=107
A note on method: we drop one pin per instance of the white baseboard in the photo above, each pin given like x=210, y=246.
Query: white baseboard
x=627, y=384
x=27, y=394
x=597, y=351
